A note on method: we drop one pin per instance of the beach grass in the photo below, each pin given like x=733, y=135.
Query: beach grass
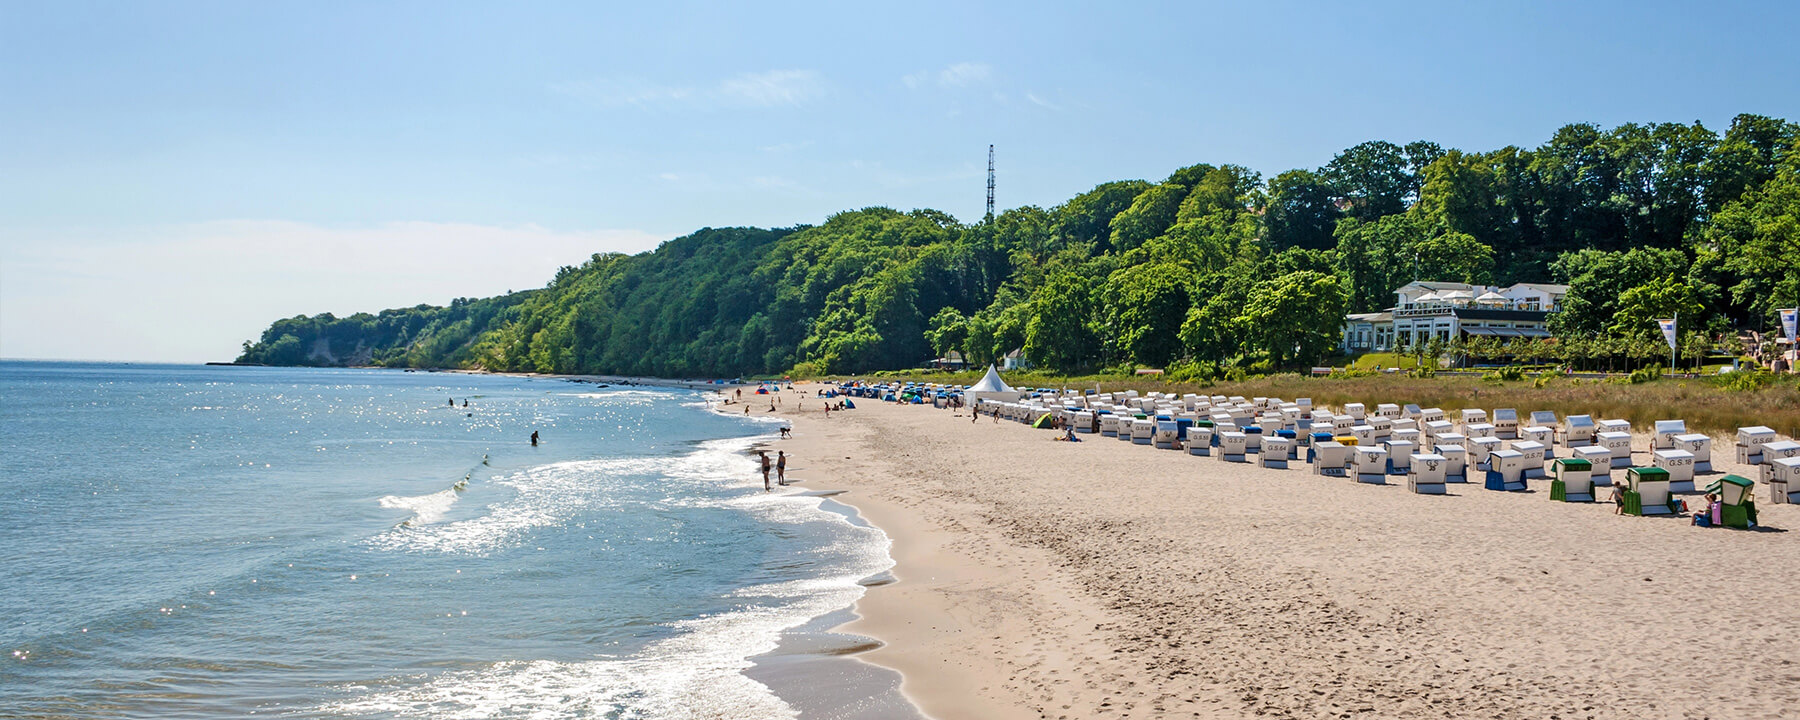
x=1705, y=404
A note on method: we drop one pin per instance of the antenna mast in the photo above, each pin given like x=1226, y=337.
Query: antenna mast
x=990, y=205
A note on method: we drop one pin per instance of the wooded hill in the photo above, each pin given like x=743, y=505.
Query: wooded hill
x=1212, y=267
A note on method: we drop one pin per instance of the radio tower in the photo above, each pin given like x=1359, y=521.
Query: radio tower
x=990, y=206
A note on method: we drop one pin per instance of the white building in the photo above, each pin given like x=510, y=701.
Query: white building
x=1444, y=310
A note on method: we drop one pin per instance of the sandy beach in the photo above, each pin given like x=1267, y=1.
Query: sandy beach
x=1043, y=579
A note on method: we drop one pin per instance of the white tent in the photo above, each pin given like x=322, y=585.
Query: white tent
x=991, y=387
x=1491, y=297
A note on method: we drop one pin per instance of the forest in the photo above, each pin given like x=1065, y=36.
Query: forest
x=1210, y=269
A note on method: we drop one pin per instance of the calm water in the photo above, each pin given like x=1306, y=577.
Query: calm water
x=220, y=542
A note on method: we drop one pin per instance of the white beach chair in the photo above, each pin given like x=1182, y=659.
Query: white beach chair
x=1619, y=443
x=1532, y=449
x=1233, y=446
x=1370, y=464
x=1365, y=435
x=1199, y=440
x=1701, y=446
x=1384, y=427
x=1784, y=481
x=1666, y=430
x=1544, y=418
x=1356, y=410
x=1276, y=451
x=1411, y=411
x=1578, y=430
x=1506, y=423
x=1399, y=454
x=1472, y=416
x=1481, y=451
x=1456, y=463
x=1331, y=458
x=1432, y=415
x=1167, y=434
x=1750, y=441
x=1506, y=471
x=1539, y=433
x=1387, y=410
x=1615, y=425
x=1680, y=464
x=1599, y=461
x=1479, y=430
x=1535, y=454
x=1425, y=474
x=1143, y=431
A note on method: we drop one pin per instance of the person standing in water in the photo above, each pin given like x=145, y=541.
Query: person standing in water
x=764, y=454
x=534, y=438
x=781, y=467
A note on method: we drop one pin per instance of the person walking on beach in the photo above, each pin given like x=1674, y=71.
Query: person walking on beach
x=781, y=467
x=764, y=454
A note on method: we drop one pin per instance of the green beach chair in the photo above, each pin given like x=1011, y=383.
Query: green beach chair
x=1737, y=508
x=1647, y=492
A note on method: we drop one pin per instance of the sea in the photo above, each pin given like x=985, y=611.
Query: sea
x=226, y=542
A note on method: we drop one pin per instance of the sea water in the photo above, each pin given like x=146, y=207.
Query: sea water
x=204, y=542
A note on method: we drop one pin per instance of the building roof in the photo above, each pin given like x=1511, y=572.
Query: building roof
x=1552, y=288
x=1374, y=317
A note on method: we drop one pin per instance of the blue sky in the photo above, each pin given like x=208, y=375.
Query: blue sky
x=178, y=174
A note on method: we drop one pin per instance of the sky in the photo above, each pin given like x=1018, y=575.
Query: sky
x=176, y=175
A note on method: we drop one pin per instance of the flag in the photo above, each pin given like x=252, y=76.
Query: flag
x=1668, y=328
x=1789, y=318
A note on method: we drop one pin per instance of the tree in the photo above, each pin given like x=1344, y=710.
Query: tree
x=1145, y=307
x=1150, y=215
x=1087, y=218
x=1597, y=281
x=1297, y=318
x=1377, y=257
x=1759, y=236
x=1454, y=257
x=1640, y=307
x=1301, y=211
x=949, y=331
x=1059, y=334
x=1379, y=178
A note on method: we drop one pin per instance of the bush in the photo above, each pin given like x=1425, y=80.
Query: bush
x=1744, y=380
x=1203, y=372
x=1510, y=373
x=1644, y=374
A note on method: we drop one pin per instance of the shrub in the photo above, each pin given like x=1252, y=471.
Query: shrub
x=1645, y=374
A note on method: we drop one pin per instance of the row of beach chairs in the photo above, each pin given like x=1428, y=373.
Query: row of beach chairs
x=1425, y=447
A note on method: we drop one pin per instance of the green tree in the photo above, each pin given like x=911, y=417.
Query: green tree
x=949, y=331
x=1150, y=215
x=1059, y=334
x=1301, y=211
x=1145, y=306
x=1640, y=307
x=1297, y=318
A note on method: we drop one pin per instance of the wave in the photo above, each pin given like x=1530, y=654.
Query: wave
x=696, y=673
x=431, y=508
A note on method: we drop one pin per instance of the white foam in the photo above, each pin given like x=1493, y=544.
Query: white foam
x=697, y=672
x=426, y=509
